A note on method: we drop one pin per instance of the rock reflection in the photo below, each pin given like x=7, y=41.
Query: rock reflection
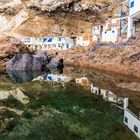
x=25, y=76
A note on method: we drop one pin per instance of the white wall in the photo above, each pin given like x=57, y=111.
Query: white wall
x=132, y=120
x=96, y=30
x=81, y=42
x=95, y=38
x=96, y=33
x=110, y=35
x=65, y=43
x=26, y=41
x=135, y=8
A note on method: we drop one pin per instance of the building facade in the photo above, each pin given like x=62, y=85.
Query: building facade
x=55, y=43
x=84, y=40
x=110, y=30
x=134, y=16
x=124, y=26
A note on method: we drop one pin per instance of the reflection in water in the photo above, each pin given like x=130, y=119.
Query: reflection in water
x=24, y=76
x=54, y=78
x=55, y=70
x=107, y=95
x=52, y=106
x=83, y=81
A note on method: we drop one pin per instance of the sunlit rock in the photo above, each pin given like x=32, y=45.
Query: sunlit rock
x=17, y=94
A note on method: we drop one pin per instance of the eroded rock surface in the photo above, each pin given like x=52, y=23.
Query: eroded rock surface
x=118, y=58
x=85, y=9
x=9, y=47
x=62, y=17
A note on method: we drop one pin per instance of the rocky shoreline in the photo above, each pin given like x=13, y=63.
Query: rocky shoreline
x=121, y=58
x=14, y=55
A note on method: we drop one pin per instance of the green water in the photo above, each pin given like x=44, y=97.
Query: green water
x=60, y=113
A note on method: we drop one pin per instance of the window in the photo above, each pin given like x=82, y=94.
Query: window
x=49, y=78
x=135, y=128
x=132, y=4
x=126, y=120
x=113, y=31
x=50, y=40
x=96, y=92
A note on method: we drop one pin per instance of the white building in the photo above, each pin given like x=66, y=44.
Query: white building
x=130, y=23
x=97, y=33
x=84, y=40
x=134, y=16
x=110, y=36
x=109, y=31
x=55, y=43
x=131, y=120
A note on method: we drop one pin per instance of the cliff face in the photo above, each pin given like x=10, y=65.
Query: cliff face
x=52, y=17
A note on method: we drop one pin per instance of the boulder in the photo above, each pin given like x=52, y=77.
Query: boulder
x=28, y=62
x=56, y=62
x=38, y=61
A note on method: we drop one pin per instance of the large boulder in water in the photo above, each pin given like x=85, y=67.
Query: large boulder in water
x=28, y=61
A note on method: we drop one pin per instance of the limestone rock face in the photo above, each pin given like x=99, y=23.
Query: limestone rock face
x=39, y=18
x=10, y=7
x=14, y=23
